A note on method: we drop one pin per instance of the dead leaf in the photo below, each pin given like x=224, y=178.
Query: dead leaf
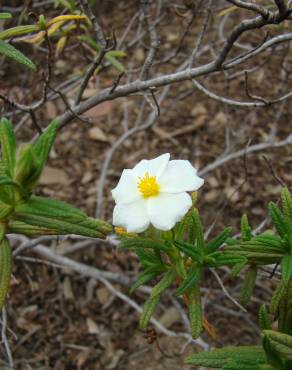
x=169, y=317
x=92, y=326
x=67, y=289
x=53, y=175
x=97, y=134
x=100, y=110
x=103, y=295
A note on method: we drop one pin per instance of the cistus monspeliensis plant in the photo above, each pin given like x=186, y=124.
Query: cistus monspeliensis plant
x=22, y=212
x=168, y=238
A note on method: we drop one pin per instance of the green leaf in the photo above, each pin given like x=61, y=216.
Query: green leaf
x=189, y=250
x=164, y=283
x=90, y=42
x=245, y=228
x=18, y=31
x=219, y=240
x=144, y=277
x=248, y=285
x=148, y=310
x=273, y=358
x=27, y=166
x=43, y=145
x=140, y=242
x=5, y=270
x=281, y=343
x=114, y=62
x=5, y=16
x=285, y=310
x=237, y=268
x=198, y=229
x=10, y=52
x=59, y=217
x=149, y=258
x=277, y=296
x=192, y=278
x=287, y=203
x=286, y=268
x=221, y=357
x=153, y=300
x=224, y=259
x=264, y=321
x=195, y=311
x=279, y=220
x=19, y=227
x=5, y=210
x=8, y=146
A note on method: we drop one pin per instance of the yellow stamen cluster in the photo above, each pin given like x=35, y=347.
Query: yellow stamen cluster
x=148, y=186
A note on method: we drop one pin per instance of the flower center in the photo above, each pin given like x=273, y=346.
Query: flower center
x=148, y=186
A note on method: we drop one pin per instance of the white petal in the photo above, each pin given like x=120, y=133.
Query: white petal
x=166, y=210
x=155, y=167
x=179, y=176
x=126, y=191
x=132, y=216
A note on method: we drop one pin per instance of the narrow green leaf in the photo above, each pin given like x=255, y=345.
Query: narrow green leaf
x=225, y=259
x=278, y=219
x=19, y=227
x=218, y=241
x=220, y=357
x=117, y=53
x=195, y=311
x=237, y=268
x=248, y=285
x=43, y=146
x=277, y=296
x=144, y=277
x=10, y=52
x=281, y=343
x=5, y=15
x=114, y=62
x=139, y=242
x=286, y=268
x=245, y=228
x=264, y=320
x=285, y=310
x=192, y=278
x=189, y=250
x=164, y=283
x=153, y=300
x=148, y=310
x=90, y=42
x=59, y=216
x=198, y=229
x=8, y=146
x=5, y=270
x=149, y=258
x=287, y=203
x=27, y=165
x=18, y=31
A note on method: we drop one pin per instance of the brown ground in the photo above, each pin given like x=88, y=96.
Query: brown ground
x=64, y=321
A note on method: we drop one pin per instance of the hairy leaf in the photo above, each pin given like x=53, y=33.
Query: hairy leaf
x=220, y=357
x=281, y=343
x=248, y=285
x=245, y=228
x=195, y=311
x=218, y=241
x=264, y=321
x=5, y=270
x=193, y=276
x=286, y=268
x=8, y=146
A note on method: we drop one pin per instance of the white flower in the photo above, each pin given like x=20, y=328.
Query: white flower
x=154, y=192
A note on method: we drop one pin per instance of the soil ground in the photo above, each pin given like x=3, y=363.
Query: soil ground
x=64, y=321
